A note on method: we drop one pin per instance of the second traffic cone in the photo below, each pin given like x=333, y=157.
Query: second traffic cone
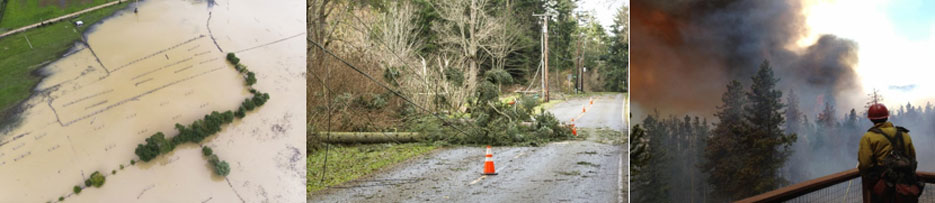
x=488, y=163
x=584, y=109
x=574, y=131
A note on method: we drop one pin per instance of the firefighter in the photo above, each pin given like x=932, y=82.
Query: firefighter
x=876, y=159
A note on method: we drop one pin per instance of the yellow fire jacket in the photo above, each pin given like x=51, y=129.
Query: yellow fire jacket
x=874, y=147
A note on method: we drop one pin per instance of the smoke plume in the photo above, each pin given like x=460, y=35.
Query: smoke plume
x=686, y=51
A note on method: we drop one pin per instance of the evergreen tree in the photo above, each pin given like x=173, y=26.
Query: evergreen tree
x=768, y=147
x=748, y=147
x=695, y=154
x=928, y=107
x=652, y=185
x=669, y=151
x=910, y=112
x=615, y=79
x=561, y=28
x=722, y=153
x=793, y=114
x=850, y=120
x=826, y=116
x=639, y=150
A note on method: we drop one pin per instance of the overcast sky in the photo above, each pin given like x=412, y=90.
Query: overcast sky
x=603, y=10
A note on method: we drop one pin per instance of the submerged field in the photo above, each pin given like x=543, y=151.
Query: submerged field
x=141, y=73
x=22, y=53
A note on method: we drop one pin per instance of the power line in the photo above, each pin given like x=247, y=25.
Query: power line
x=386, y=87
x=324, y=165
x=371, y=79
x=370, y=30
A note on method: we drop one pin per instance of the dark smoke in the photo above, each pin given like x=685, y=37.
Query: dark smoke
x=685, y=52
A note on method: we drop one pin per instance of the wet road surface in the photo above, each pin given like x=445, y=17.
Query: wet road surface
x=568, y=171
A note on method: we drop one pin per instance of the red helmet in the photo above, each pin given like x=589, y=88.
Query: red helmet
x=877, y=111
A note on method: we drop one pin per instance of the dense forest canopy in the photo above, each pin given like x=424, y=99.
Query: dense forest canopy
x=760, y=140
x=440, y=52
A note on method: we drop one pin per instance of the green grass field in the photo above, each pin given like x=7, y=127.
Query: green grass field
x=347, y=163
x=18, y=59
x=19, y=13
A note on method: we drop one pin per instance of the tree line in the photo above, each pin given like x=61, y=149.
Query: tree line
x=740, y=157
x=221, y=168
x=210, y=124
x=761, y=142
x=439, y=53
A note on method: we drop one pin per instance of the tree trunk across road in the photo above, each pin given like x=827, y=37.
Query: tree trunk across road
x=368, y=137
x=568, y=171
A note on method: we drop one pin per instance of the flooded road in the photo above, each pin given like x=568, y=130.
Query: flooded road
x=136, y=74
x=568, y=171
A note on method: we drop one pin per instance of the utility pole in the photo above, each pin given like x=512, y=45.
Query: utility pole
x=584, y=70
x=545, y=54
x=579, y=67
x=577, y=63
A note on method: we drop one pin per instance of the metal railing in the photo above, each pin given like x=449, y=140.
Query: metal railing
x=844, y=187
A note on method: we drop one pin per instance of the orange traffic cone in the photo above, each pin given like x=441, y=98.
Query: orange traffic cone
x=488, y=163
x=574, y=131
x=584, y=109
x=592, y=101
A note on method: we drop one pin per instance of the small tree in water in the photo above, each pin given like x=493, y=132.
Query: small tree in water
x=222, y=168
x=233, y=59
x=97, y=179
x=206, y=151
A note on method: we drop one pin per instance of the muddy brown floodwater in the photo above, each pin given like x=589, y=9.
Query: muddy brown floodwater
x=140, y=73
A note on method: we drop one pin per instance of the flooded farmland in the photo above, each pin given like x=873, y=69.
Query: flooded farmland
x=142, y=72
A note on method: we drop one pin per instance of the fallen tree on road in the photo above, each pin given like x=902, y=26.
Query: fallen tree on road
x=369, y=137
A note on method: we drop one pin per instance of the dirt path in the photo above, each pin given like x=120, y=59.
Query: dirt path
x=568, y=171
x=24, y=28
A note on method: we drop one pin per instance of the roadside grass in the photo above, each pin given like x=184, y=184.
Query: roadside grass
x=18, y=59
x=19, y=13
x=2, y=9
x=346, y=163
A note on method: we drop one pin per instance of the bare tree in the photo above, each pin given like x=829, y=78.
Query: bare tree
x=502, y=42
x=399, y=34
x=319, y=32
x=397, y=50
x=466, y=29
x=456, y=94
x=875, y=97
